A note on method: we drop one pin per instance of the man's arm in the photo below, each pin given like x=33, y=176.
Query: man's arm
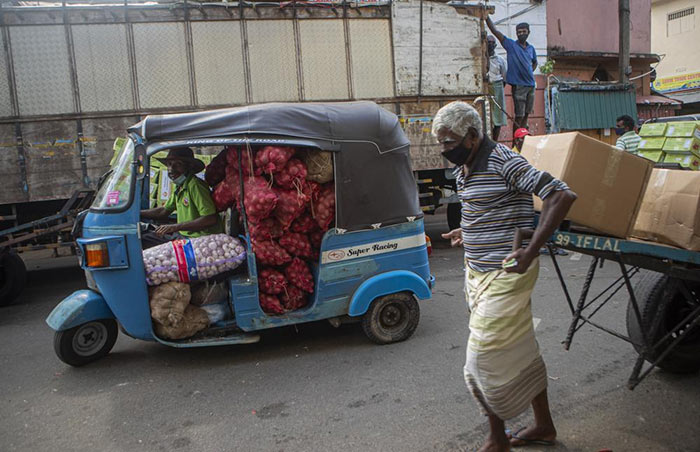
x=554, y=210
x=534, y=59
x=494, y=30
x=157, y=213
x=197, y=225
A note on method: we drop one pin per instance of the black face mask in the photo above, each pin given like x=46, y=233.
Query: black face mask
x=458, y=155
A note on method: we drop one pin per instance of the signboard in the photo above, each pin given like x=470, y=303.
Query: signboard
x=681, y=82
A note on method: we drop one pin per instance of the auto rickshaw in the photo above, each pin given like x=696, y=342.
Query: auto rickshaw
x=373, y=263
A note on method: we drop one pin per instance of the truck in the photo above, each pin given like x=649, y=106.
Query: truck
x=75, y=75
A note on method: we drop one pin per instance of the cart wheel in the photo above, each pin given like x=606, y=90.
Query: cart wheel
x=391, y=318
x=13, y=278
x=454, y=215
x=685, y=358
x=86, y=343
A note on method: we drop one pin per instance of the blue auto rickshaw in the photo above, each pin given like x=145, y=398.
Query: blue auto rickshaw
x=373, y=263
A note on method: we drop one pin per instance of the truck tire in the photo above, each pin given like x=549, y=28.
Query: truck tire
x=13, y=278
x=649, y=290
x=454, y=215
x=86, y=343
x=391, y=318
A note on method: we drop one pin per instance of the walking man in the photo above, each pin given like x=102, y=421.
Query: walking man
x=504, y=370
x=522, y=62
x=497, y=76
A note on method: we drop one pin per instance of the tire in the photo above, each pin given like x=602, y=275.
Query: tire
x=13, y=278
x=86, y=343
x=454, y=215
x=649, y=290
x=391, y=318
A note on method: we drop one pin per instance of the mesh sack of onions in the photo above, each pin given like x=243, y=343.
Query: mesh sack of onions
x=271, y=281
x=273, y=159
x=293, y=298
x=324, y=209
x=260, y=199
x=268, y=252
x=270, y=304
x=298, y=273
x=195, y=259
x=266, y=229
x=290, y=204
x=296, y=244
x=292, y=175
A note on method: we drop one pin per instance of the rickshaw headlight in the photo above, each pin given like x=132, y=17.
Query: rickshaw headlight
x=96, y=255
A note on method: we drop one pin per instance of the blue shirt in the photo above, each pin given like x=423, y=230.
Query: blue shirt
x=519, y=63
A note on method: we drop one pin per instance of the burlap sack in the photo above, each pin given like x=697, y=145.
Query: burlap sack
x=195, y=319
x=319, y=165
x=168, y=302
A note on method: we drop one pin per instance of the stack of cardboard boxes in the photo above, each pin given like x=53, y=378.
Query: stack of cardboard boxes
x=673, y=142
x=620, y=194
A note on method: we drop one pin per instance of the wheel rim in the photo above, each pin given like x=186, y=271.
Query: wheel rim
x=679, y=308
x=392, y=316
x=89, y=339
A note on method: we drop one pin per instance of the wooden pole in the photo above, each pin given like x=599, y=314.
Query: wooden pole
x=624, y=49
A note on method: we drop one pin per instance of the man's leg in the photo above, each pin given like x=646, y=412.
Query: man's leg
x=496, y=132
x=519, y=102
x=497, y=440
x=544, y=425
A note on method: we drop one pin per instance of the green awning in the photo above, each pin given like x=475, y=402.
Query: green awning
x=591, y=107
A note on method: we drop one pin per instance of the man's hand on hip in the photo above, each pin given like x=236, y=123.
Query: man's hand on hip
x=454, y=236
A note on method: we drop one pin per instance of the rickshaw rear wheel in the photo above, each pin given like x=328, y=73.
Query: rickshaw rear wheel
x=86, y=343
x=391, y=318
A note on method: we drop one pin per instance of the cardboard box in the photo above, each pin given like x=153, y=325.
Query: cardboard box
x=652, y=148
x=691, y=144
x=609, y=182
x=653, y=129
x=685, y=159
x=670, y=210
x=685, y=129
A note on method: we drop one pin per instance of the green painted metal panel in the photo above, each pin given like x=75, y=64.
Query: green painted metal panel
x=593, y=109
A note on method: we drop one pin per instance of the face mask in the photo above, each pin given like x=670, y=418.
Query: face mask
x=180, y=179
x=457, y=155
x=522, y=39
x=619, y=131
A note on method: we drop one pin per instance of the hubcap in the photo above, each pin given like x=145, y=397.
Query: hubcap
x=89, y=339
x=391, y=316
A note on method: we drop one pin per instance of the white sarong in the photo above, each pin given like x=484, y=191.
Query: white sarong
x=504, y=369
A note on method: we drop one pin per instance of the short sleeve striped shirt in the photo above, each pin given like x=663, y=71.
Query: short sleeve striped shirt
x=629, y=142
x=496, y=197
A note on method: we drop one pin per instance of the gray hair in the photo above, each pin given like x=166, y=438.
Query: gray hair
x=457, y=117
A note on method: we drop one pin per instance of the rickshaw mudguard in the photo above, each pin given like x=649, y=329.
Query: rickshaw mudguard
x=385, y=284
x=80, y=307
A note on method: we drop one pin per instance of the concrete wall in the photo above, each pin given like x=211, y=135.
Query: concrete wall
x=678, y=40
x=594, y=28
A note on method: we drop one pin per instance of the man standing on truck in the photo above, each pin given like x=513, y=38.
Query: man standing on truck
x=522, y=62
x=191, y=199
x=497, y=76
x=504, y=369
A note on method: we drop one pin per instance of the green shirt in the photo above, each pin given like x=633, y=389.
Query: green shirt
x=629, y=142
x=193, y=200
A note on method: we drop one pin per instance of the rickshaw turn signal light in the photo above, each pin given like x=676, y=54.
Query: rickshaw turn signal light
x=96, y=255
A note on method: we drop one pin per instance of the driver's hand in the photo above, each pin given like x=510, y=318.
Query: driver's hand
x=167, y=229
x=454, y=236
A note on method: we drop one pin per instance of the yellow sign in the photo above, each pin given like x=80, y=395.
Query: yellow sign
x=678, y=83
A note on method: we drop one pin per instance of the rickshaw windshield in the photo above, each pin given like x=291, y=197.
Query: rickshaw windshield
x=115, y=191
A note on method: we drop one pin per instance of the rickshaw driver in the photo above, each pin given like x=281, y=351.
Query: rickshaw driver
x=191, y=199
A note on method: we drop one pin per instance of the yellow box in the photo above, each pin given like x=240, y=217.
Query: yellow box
x=685, y=159
x=653, y=155
x=657, y=129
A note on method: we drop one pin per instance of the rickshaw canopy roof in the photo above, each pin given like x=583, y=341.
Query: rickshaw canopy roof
x=373, y=177
x=340, y=121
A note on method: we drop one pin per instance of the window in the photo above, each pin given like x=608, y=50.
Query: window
x=680, y=21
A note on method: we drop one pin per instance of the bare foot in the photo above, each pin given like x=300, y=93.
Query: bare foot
x=492, y=445
x=535, y=435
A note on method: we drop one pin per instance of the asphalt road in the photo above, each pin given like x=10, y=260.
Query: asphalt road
x=317, y=388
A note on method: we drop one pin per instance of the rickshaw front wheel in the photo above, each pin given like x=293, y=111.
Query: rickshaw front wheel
x=391, y=318
x=86, y=343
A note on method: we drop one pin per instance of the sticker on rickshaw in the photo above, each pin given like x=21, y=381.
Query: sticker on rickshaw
x=372, y=249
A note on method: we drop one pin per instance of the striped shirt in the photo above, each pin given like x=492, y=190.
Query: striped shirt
x=629, y=142
x=496, y=196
